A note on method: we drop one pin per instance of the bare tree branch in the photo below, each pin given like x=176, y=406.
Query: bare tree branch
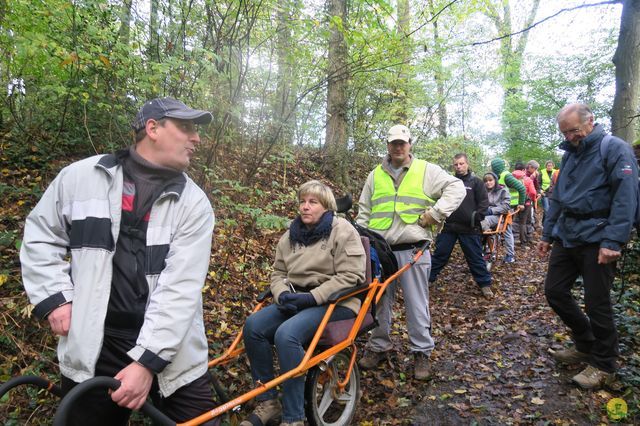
x=568, y=9
x=435, y=16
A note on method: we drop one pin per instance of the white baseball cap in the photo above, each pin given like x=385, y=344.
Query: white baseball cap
x=399, y=132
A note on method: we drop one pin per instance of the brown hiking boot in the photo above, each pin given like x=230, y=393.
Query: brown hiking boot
x=264, y=411
x=371, y=359
x=570, y=356
x=421, y=369
x=486, y=292
x=593, y=378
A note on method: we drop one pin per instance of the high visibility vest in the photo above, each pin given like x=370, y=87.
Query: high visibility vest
x=515, y=195
x=546, y=178
x=409, y=201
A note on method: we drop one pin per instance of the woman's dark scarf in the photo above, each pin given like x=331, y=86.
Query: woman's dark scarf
x=300, y=234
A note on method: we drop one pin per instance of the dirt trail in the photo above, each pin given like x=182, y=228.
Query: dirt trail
x=491, y=364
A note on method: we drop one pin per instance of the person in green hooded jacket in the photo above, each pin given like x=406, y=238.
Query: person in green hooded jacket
x=518, y=195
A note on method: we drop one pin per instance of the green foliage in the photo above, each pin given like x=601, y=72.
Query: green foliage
x=627, y=316
x=260, y=67
x=254, y=211
x=8, y=238
x=442, y=151
x=271, y=221
x=547, y=86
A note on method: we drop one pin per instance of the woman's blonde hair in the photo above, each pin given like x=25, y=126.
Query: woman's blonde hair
x=319, y=190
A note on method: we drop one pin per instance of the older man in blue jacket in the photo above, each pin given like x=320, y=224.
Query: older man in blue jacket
x=591, y=216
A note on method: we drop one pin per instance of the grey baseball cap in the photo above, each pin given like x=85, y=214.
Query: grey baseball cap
x=158, y=108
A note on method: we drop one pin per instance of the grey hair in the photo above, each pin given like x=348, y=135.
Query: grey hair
x=583, y=111
x=534, y=164
x=320, y=190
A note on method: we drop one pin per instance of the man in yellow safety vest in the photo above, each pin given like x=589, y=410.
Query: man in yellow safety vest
x=546, y=179
x=405, y=199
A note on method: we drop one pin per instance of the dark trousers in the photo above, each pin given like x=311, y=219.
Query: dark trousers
x=471, y=247
x=524, y=219
x=97, y=409
x=593, y=333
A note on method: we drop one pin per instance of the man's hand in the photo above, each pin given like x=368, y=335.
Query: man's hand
x=606, y=255
x=519, y=208
x=427, y=220
x=60, y=319
x=135, y=382
x=543, y=248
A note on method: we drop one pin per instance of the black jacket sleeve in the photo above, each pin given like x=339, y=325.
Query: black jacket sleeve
x=482, y=199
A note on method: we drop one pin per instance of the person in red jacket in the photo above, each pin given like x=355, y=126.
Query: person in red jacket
x=533, y=173
x=524, y=216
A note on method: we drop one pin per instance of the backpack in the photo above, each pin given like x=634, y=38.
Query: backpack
x=383, y=261
x=604, y=153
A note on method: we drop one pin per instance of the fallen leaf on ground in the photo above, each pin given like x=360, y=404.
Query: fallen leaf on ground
x=537, y=401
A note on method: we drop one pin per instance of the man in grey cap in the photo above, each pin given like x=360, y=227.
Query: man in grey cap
x=405, y=200
x=114, y=257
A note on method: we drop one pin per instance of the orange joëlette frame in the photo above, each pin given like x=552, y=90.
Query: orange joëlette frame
x=505, y=220
x=374, y=289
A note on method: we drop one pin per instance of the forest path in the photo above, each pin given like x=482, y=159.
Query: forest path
x=491, y=364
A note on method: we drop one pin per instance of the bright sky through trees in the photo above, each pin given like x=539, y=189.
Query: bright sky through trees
x=579, y=31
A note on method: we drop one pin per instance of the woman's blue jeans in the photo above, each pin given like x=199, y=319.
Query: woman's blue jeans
x=290, y=335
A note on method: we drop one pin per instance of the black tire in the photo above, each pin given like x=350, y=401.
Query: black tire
x=489, y=251
x=322, y=405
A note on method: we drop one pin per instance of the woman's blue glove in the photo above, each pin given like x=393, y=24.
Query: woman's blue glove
x=280, y=298
x=300, y=300
x=292, y=303
x=289, y=309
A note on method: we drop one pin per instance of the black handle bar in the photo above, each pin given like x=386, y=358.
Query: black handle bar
x=30, y=380
x=425, y=246
x=104, y=382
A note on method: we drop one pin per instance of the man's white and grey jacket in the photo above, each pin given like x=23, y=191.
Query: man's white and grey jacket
x=66, y=256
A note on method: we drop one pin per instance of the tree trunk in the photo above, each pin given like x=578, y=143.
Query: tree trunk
x=624, y=113
x=514, y=116
x=335, y=146
x=285, y=95
x=125, y=21
x=153, y=49
x=439, y=76
x=401, y=109
x=3, y=11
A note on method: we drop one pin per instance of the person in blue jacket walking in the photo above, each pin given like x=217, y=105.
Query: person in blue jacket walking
x=590, y=218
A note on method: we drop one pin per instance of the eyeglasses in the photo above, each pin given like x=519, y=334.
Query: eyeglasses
x=573, y=131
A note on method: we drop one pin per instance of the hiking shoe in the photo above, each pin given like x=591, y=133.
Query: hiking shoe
x=264, y=411
x=296, y=423
x=486, y=292
x=593, y=378
x=570, y=356
x=509, y=259
x=421, y=369
x=371, y=359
